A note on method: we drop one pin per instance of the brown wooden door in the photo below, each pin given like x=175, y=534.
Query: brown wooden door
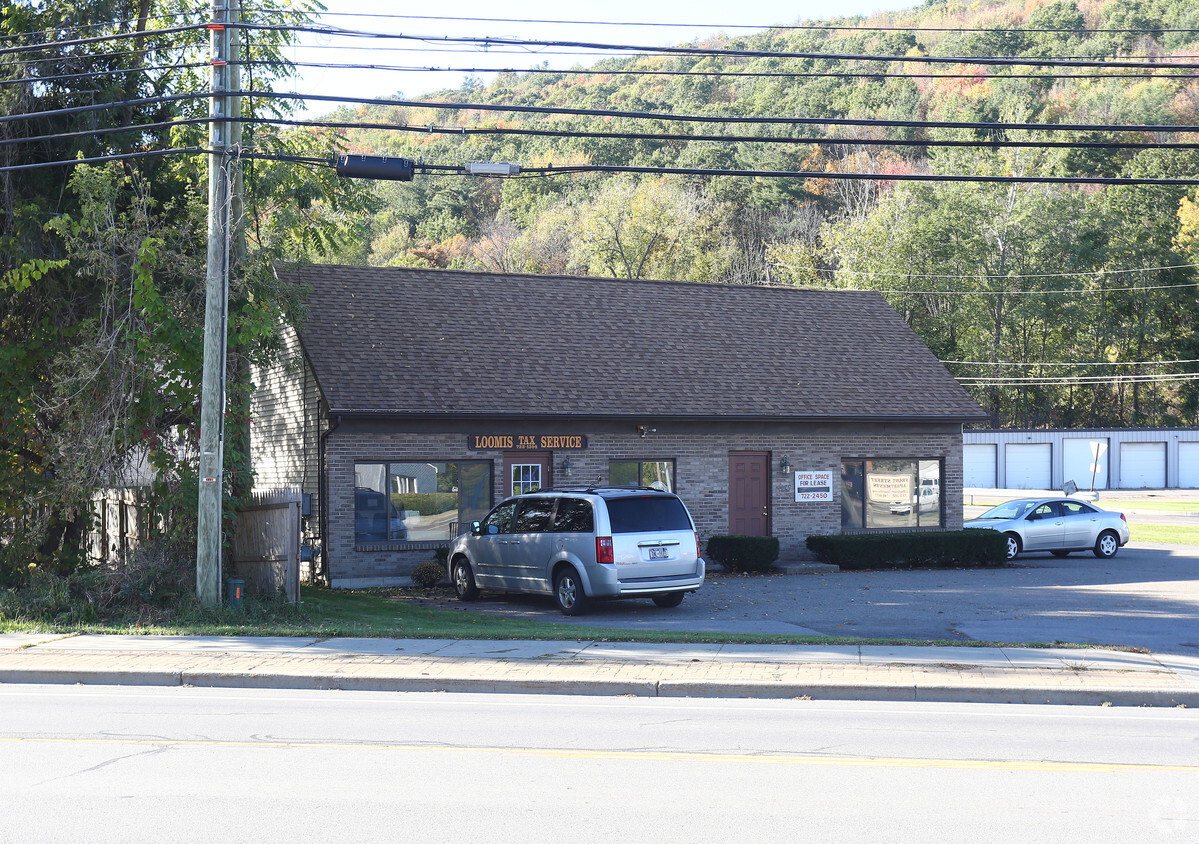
x=526, y=471
x=749, y=493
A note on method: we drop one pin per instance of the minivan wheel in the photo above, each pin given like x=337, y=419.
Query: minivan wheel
x=568, y=592
x=464, y=581
x=1013, y=545
x=1107, y=545
x=670, y=599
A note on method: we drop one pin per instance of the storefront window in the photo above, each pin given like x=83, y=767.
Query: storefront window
x=657, y=474
x=418, y=502
x=882, y=494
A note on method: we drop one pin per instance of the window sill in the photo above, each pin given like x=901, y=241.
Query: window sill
x=403, y=545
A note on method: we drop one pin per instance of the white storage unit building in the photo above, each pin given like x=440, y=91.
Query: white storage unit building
x=1028, y=465
x=1188, y=465
x=979, y=465
x=1084, y=461
x=1142, y=465
x=1112, y=458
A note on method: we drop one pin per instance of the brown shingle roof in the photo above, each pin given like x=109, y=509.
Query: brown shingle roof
x=410, y=341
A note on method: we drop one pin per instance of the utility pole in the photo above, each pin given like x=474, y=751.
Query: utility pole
x=216, y=312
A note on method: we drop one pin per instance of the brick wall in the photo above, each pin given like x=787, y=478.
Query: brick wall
x=701, y=458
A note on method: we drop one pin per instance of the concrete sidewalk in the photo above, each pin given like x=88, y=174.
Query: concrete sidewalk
x=847, y=672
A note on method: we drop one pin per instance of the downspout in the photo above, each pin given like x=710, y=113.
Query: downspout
x=324, y=487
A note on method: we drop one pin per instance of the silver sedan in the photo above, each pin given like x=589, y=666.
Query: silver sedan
x=1057, y=525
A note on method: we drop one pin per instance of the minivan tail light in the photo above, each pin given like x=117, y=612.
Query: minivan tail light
x=603, y=550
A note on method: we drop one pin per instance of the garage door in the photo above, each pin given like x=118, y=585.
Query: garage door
x=1078, y=461
x=1188, y=465
x=978, y=465
x=1142, y=465
x=1029, y=465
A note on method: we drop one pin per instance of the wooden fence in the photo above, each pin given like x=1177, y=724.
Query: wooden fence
x=266, y=543
x=120, y=522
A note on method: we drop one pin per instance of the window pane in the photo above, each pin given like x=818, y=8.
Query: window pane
x=534, y=515
x=852, y=495
x=929, y=511
x=500, y=521
x=644, y=514
x=624, y=473
x=658, y=474
x=526, y=477
x=374, y=516
x=574, y=516
x=890, y=493
x=474, y=493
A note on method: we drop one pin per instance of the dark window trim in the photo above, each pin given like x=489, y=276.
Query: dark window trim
x=904, y=528
x=640, y=461
x=419, y=544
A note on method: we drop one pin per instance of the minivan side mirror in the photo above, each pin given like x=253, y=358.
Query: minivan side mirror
x=476, y=528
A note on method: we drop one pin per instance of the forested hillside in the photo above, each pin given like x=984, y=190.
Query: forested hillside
x=1056, y=304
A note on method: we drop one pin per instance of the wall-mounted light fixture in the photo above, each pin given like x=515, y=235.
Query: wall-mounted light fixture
x=567, y=468
x=646, y=429
x=785, y=466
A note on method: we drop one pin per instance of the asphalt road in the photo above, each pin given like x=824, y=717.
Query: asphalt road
x=1146, y=596
x=187, y=764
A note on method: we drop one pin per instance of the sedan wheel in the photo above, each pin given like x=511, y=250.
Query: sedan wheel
x=1107, y=545
x=1013, y=545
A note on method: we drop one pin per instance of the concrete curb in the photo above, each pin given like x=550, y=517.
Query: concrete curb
x=1166, y=696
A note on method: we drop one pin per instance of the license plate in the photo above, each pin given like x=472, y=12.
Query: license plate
x=659, y=554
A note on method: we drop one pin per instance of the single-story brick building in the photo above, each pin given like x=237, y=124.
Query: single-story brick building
x=411, y=401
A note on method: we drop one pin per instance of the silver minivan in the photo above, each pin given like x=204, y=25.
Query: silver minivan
x=582, y=543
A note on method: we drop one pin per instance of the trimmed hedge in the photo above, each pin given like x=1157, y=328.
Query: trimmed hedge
x=428, y=574
x=744, y=553
x=924, y=549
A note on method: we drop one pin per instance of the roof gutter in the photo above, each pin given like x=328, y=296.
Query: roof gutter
x=608, y=417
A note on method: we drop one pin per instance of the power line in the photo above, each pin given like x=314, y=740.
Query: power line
x=149, y=153
x=634, y=136
x=633, y=115
x=750, y=74
x=799, y=27
x=1079, y=380
x=1077, y=291
x=690, y=171
x=101, y=39
x=1030, y=275
x=489, y=41
x=725, y=118
x=1081, y=363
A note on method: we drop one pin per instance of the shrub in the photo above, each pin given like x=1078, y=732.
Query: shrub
x=428, y=574
x=925, y=549
x=441, y=555
x=744, y=553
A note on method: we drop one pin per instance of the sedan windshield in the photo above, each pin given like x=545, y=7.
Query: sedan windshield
x=1010, y=509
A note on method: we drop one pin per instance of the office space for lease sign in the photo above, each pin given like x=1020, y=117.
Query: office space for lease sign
x=813, y=485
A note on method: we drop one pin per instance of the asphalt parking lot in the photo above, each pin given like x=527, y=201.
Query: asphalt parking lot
x=1146, y=596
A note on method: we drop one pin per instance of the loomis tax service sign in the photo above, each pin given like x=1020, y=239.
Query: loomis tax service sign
x=813, y=486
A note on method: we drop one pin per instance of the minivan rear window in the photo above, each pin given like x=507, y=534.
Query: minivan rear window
x=647, y=514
